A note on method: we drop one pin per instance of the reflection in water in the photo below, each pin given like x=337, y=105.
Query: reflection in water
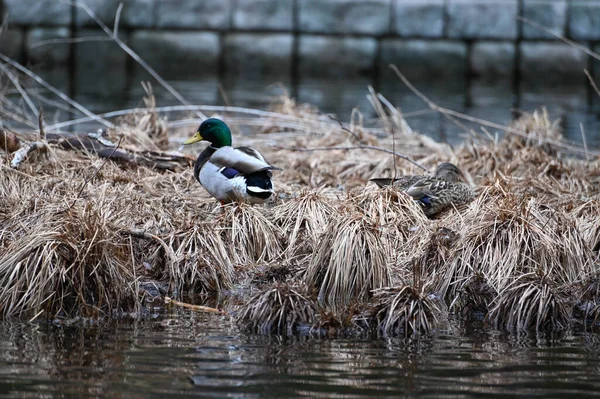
x=184, y=353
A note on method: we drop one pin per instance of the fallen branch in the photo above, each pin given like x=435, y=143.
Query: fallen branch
x=22, y=153
x=96, y=144
x=361, y=147
x=194, y=307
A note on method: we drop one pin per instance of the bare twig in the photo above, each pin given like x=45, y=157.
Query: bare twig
x=15, y=81
x=560, y=37
x=394, y=150
x=345, y=129
x=362, y=147
x=507, y=129
x=92, y=177
x=117, y=20
x=177, y=108
x=71, y=40
x=584, y=140
x=592, y=81
x=134, y=55
x=41, y=125
x=194, y=307
x=54, y=90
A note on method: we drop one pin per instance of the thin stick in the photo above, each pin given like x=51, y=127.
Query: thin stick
x=134, y=55
x=176, y=108
x=345, y=129
x=71, y=40
x=92, y=177
x=592, y=81
x=459, y=115
x=41, y=125
x=584, y=139
x=117, y=20
x=15, y=81
x=560, y=37
x=54, y=90
x=362, y=147
x=194, y=307
x=394, y=150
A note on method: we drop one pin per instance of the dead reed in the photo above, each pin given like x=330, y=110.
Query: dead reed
x=281, y=309
x=406, y=311
x=350, y=261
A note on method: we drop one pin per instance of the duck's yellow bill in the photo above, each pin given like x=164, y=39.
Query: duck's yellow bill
x=194, y=139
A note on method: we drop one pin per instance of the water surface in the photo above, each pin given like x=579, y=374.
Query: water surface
x=176, y=353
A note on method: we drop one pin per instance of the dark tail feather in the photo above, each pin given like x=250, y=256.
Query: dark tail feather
x=382, y=182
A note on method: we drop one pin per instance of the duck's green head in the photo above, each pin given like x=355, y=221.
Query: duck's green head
x=214, y=131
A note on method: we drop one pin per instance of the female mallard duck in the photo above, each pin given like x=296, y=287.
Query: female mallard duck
x=230, y=174
x=436, y=193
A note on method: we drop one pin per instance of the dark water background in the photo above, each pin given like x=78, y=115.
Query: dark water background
x=177, y=353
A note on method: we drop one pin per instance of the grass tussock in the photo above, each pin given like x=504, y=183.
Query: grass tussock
x=531, y=302
x=406, y=311
x=280, y=309
x=350, y=260
x=303, y=219
x=65, y=264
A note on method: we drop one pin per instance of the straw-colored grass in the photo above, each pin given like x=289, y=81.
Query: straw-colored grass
x=280, y=309
x=350, y=261
x=79, y=236
x=407, y=311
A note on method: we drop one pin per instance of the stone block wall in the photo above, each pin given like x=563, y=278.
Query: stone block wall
x=293, y=41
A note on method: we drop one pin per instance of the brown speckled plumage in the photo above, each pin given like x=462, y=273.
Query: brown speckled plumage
x=443, y=190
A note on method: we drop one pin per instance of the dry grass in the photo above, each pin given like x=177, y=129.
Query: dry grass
x=281, y=309
x=350, y=261
x=407, y=311
x=520, y=255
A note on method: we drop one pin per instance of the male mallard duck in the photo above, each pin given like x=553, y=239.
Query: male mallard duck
x=436, y=193
x=230, y=174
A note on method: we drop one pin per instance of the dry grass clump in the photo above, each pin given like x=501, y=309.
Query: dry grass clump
x=391, y=209
x=351, y=259
x=248, y=234
x=64, y=265
x=303, y=219
x=280, y=309
x=203, y=263
x=532, y=301
x=509, y=235
x=406, y=310
x=438, y=252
